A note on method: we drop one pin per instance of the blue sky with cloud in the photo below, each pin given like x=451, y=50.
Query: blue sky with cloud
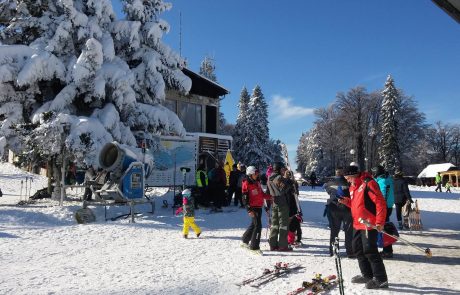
x=303, y=52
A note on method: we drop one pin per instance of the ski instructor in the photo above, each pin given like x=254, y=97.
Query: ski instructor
x=367, y=202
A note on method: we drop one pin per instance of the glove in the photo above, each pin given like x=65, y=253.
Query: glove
x=179, y=210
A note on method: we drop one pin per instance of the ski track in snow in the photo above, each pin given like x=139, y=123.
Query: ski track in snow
x=44, y=251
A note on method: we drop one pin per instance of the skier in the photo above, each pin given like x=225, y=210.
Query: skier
x=438, y=181
x=280, y=209
x=188, y=208
x=337, y=187
x=386, y=185
x=253, y=197
x=367, y=202
x=401, y=195
x=295, y=212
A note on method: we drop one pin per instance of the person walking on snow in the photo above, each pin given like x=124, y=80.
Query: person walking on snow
x=188, y=208
x=366, y=202
x=438, y=181
x=253, y=197
x=401, y=195
x=448, y=186
x=280, y=210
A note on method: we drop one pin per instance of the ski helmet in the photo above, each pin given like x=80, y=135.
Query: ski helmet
x=186, y=193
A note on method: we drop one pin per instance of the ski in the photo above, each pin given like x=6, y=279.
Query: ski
x=317, y=285
x=278, y=272
x=279, y=268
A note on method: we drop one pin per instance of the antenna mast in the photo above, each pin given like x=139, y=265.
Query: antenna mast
x=180, y=33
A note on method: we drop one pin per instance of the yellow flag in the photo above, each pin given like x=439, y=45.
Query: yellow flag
x=228, y=165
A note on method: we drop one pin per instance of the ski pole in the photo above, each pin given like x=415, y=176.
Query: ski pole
x=20, y=192
x=426, y=251
x=338, y=265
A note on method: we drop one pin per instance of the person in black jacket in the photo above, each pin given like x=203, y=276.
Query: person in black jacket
x=337, y=187
x=232, y=183
x=295, y=212
x=402, y=195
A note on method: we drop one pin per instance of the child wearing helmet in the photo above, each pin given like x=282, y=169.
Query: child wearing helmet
x=189, y=214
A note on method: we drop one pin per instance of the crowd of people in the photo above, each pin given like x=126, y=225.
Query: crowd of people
x=353, y=195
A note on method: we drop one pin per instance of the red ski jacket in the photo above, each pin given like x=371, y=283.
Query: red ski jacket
x=367, y=202
x=253, y=193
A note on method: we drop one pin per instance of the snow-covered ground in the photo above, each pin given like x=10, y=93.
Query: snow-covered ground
x=44, y=251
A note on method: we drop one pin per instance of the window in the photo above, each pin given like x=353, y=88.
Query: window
x=190, y=114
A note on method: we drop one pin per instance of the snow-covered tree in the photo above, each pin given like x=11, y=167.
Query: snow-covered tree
x=240, y=133
x=258, y=138
x=74, y=78
x=389, y=149
x=208, y=69
x=313, y=155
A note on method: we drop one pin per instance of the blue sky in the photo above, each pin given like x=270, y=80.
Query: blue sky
x=303, y=52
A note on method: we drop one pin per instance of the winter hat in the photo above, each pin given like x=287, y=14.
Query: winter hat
x=351, y=170
x=378, y=170
x=251, y=170
x=186, y=193
x=398, y=172
x=277, y=166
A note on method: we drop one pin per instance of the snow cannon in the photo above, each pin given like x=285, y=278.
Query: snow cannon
x=126, y=170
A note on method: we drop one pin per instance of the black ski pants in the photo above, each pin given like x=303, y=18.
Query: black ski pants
x=340, y=215
x=252, y=234
x=398, y=208
x=238, y=197
x=388, y=249
x=367, y=253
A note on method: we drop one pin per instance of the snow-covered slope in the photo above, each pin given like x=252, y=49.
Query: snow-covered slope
x=44, y=251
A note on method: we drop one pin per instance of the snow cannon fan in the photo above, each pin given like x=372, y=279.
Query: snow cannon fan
x=125, y=169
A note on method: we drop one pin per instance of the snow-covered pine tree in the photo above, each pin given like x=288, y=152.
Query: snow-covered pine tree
x=240, y=133
x=389, y=149
x=258, y=139
x=313, y=154
x=208, y=69
x=74, y=78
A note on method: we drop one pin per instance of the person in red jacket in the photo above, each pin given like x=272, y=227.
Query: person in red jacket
x=253, y=198
x=366, y=202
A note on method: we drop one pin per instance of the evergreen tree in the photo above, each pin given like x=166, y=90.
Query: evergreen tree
x=240, y=133
x=208, y=69
x=258, y=139
x=74, y=78
x=389, y=150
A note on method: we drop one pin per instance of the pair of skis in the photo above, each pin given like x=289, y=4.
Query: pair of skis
x=317, y=285
x=280, y=269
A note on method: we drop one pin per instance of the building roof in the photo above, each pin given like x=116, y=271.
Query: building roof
x=451, y=7
x=203, y=86
x=431, y=170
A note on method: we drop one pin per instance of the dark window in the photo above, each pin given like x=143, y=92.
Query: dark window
x=190, y=114
x=211, y=119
